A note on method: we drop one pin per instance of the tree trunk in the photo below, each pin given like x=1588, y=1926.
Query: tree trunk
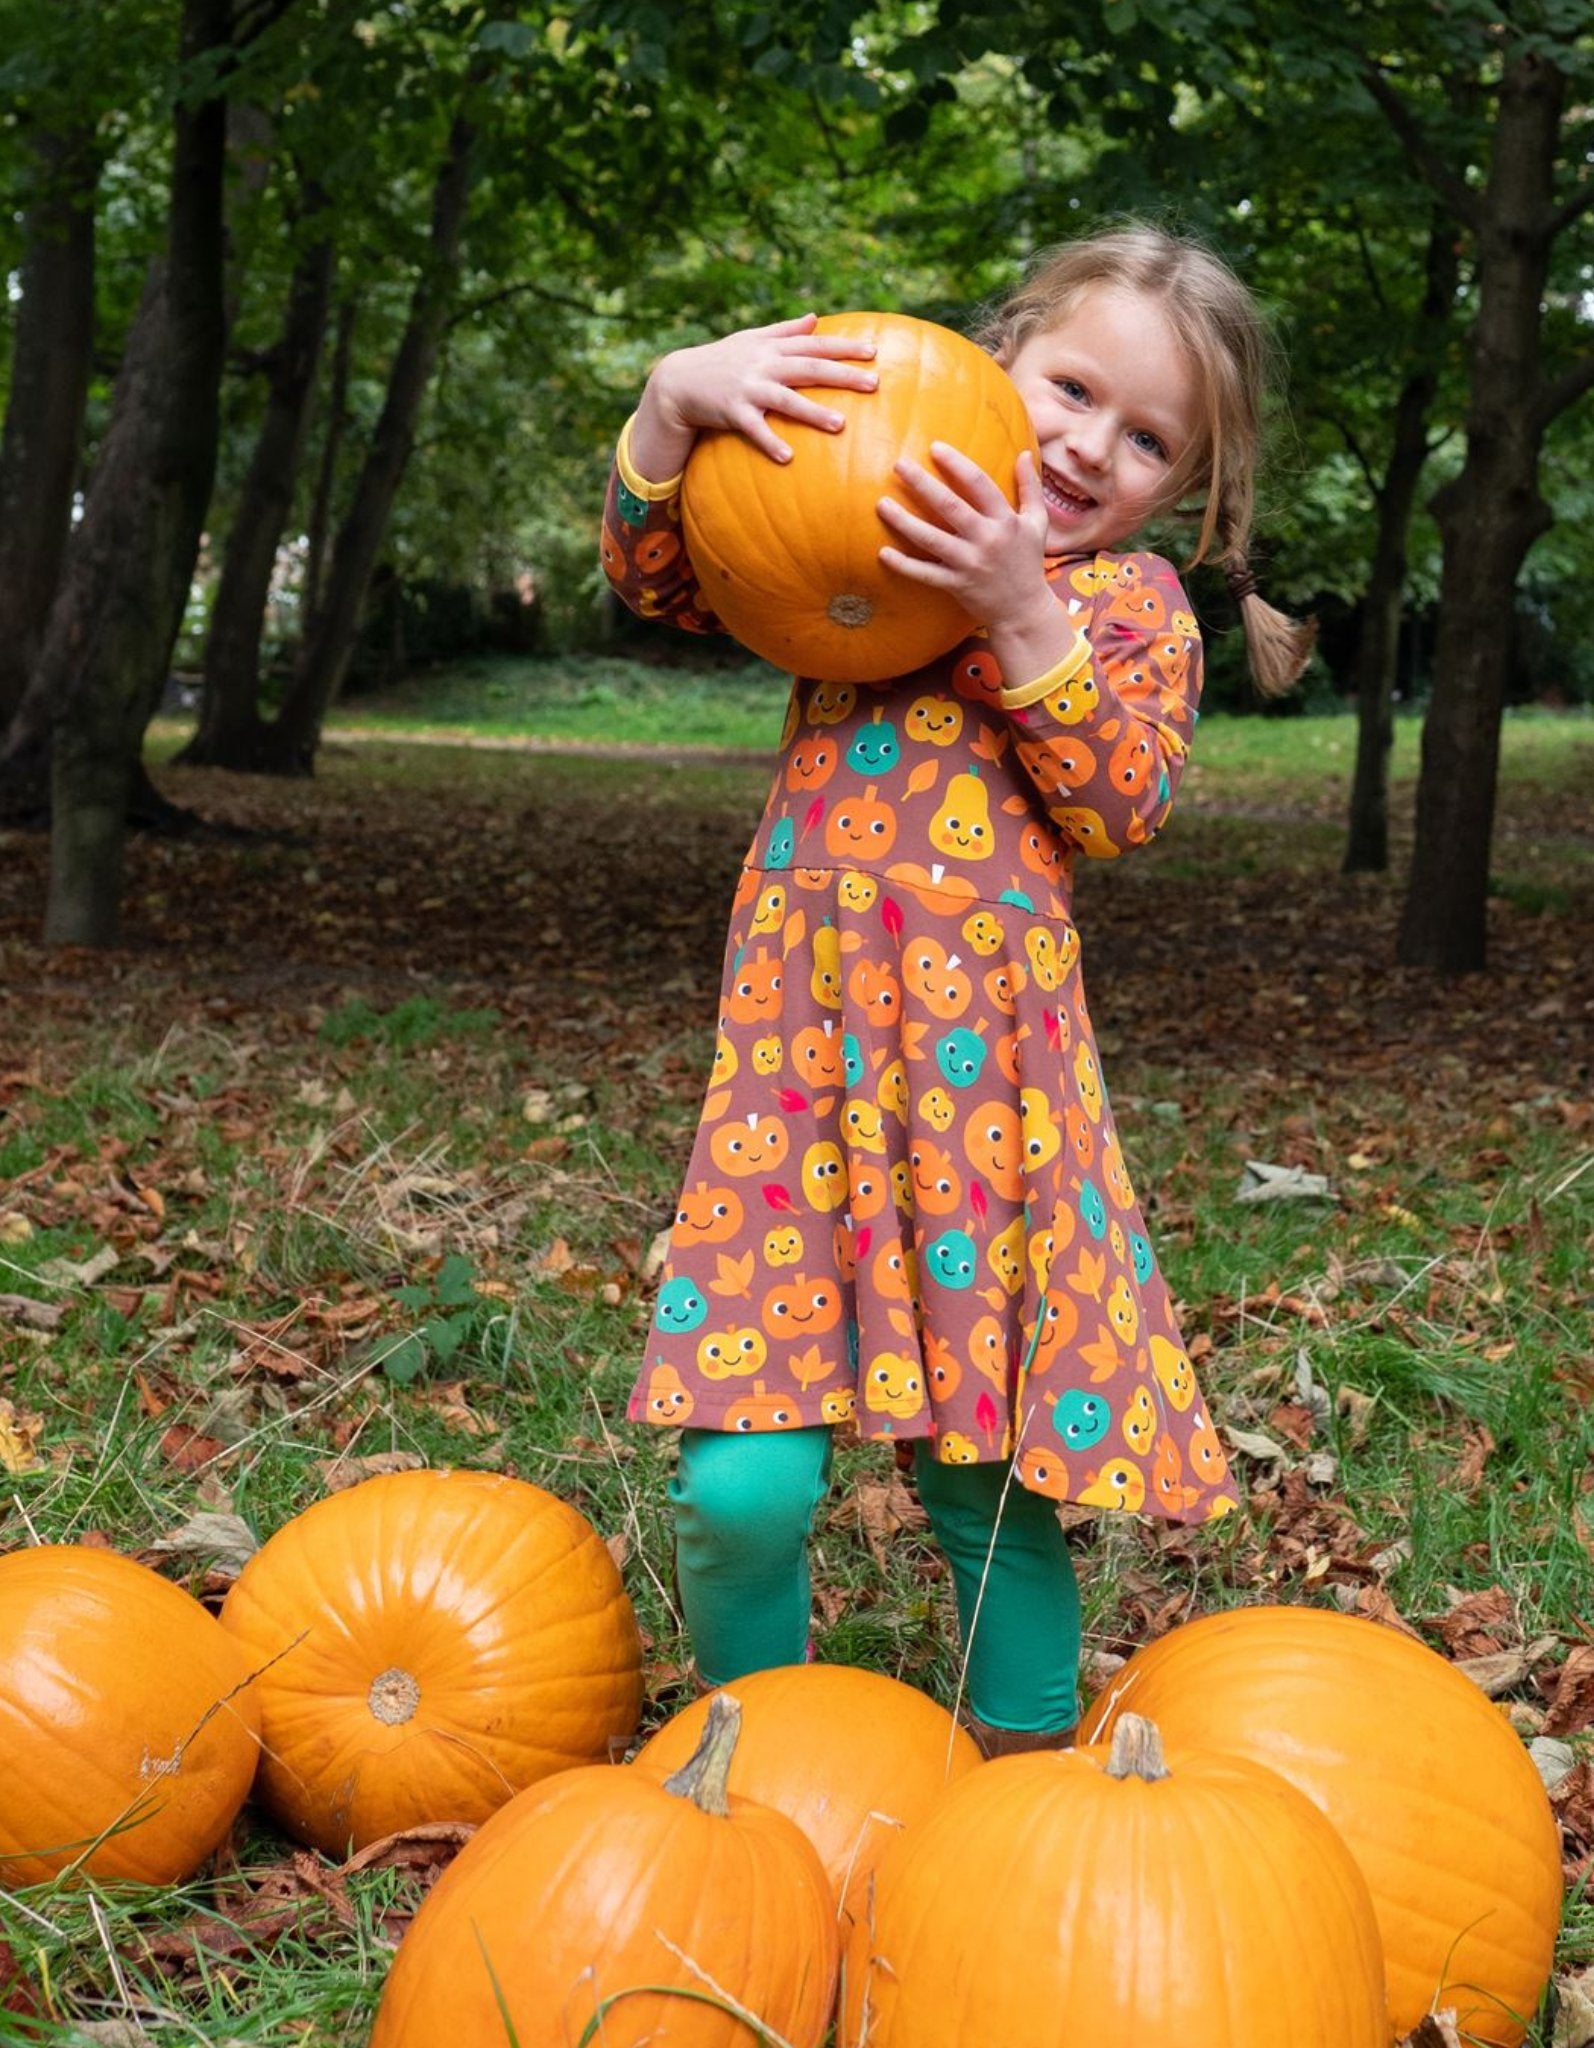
x=128, y=571
x=1488, y=518
x=1378, y=642
x=324, y=657
x=231, y=732
x=51, y=359
x=337, y=415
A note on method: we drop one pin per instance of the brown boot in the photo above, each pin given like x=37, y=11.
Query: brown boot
x=994, y=1742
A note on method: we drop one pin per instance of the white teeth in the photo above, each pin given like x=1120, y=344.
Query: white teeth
x=1070, y=501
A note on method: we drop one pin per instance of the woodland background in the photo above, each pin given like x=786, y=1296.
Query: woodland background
x=321, y=318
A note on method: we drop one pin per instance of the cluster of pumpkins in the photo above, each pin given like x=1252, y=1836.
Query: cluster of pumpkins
x=1283, y=1828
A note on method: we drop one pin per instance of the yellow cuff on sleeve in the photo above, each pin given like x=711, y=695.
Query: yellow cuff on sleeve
x=1022, y=694
x=633, y=479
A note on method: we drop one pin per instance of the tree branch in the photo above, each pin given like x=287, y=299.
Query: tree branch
x=1456, y=193
x=1353, y=448
x=251, y=19
x=469, y=309
x=1573, y=211
x=1560, y=392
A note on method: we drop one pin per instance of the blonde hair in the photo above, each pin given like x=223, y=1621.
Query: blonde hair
x=1216, y=319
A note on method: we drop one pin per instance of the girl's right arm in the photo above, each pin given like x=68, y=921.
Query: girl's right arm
x=731, y=384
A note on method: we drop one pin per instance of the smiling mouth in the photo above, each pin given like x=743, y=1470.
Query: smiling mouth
x=1061, y=499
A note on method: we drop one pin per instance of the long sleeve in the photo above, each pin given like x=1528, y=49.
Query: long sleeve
x=644, y=550
x=1105, y=735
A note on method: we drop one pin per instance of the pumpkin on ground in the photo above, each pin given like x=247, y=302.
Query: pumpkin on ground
x=1108, y=1896
x=433, y=1642
x=128, y=1723
x=851, y=1756
x=787, y=554
x=1421, y=1774
x=606, y=1907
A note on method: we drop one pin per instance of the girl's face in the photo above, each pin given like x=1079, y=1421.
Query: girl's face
x=1113, y=396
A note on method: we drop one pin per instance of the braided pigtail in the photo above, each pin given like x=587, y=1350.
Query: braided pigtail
x=1277, y=647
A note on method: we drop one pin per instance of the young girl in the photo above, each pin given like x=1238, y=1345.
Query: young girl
x=906, y=1209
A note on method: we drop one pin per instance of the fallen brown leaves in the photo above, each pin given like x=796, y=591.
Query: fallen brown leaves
x=302, y=1898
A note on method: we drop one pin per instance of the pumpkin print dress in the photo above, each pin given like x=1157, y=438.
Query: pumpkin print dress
x=906, y=1207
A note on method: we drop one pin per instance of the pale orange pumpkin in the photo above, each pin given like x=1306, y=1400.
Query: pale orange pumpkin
x=851, y=1756
x=128, y=1724
x=788, y=553
x=1422, y=1776
x=1097, y=1895
x=435, y=1641
x=608, y=1907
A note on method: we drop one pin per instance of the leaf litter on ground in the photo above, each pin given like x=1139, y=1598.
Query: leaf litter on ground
x=449, y=1116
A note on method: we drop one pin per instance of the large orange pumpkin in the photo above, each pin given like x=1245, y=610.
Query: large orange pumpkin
x=1107, y=1896
x=606, y=1907
x=434, y=1641
x=788, y=553
x=1421, y=1774
x=128, y=1725
x=851, y=1756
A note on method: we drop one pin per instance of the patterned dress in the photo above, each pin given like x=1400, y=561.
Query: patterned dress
x=906, y=1207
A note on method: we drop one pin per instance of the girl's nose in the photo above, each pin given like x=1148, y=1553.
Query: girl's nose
x=1089, y=440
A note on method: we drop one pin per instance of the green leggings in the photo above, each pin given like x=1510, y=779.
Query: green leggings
x=744, y=1511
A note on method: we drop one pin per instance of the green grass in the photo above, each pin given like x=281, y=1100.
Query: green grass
x=490, y=1205
x=591, y=698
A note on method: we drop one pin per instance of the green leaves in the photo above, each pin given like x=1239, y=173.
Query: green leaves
x=451, y=1311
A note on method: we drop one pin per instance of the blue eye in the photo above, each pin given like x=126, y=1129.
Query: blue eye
x=1149, y=443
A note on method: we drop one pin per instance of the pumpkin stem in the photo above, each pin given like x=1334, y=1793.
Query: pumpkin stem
x=848, y=609
x=702, y=1777
x=1136, y=1749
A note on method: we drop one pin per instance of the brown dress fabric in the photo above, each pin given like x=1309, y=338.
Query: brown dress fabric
x=906, y=1207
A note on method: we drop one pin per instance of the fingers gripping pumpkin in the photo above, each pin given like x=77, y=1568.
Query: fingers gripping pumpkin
x=797, y=578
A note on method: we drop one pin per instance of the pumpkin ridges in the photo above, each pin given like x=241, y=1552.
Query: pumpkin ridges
x=749, y=522
x=828, y=1745
x=1425, y=1778
x=129, y=1728
x=566, y=1885
x=496, y=1599
x=1120, y=1910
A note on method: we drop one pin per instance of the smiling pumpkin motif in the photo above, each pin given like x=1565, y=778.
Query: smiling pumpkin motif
x=936, y=721
x=708, y=1214
x=938, y=978
x=801, y=1308
x=755, y=992
x=755, y=1144
x=861, y=827
x=732, y=1353
x=894, y=1385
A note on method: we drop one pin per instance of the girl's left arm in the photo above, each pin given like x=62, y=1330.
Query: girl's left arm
x=1104, y=735
x=643, y=550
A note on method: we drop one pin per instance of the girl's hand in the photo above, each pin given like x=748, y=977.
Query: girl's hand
x=991, y=558
x=733, y=382
x=986, y=554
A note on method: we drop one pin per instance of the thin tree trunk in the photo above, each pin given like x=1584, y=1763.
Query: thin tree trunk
x=324, y=657
x=51, y=359
x=1378, y=642
x=120, y=604
x=1488, y=517
x=231, y=730
x=337, y=416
